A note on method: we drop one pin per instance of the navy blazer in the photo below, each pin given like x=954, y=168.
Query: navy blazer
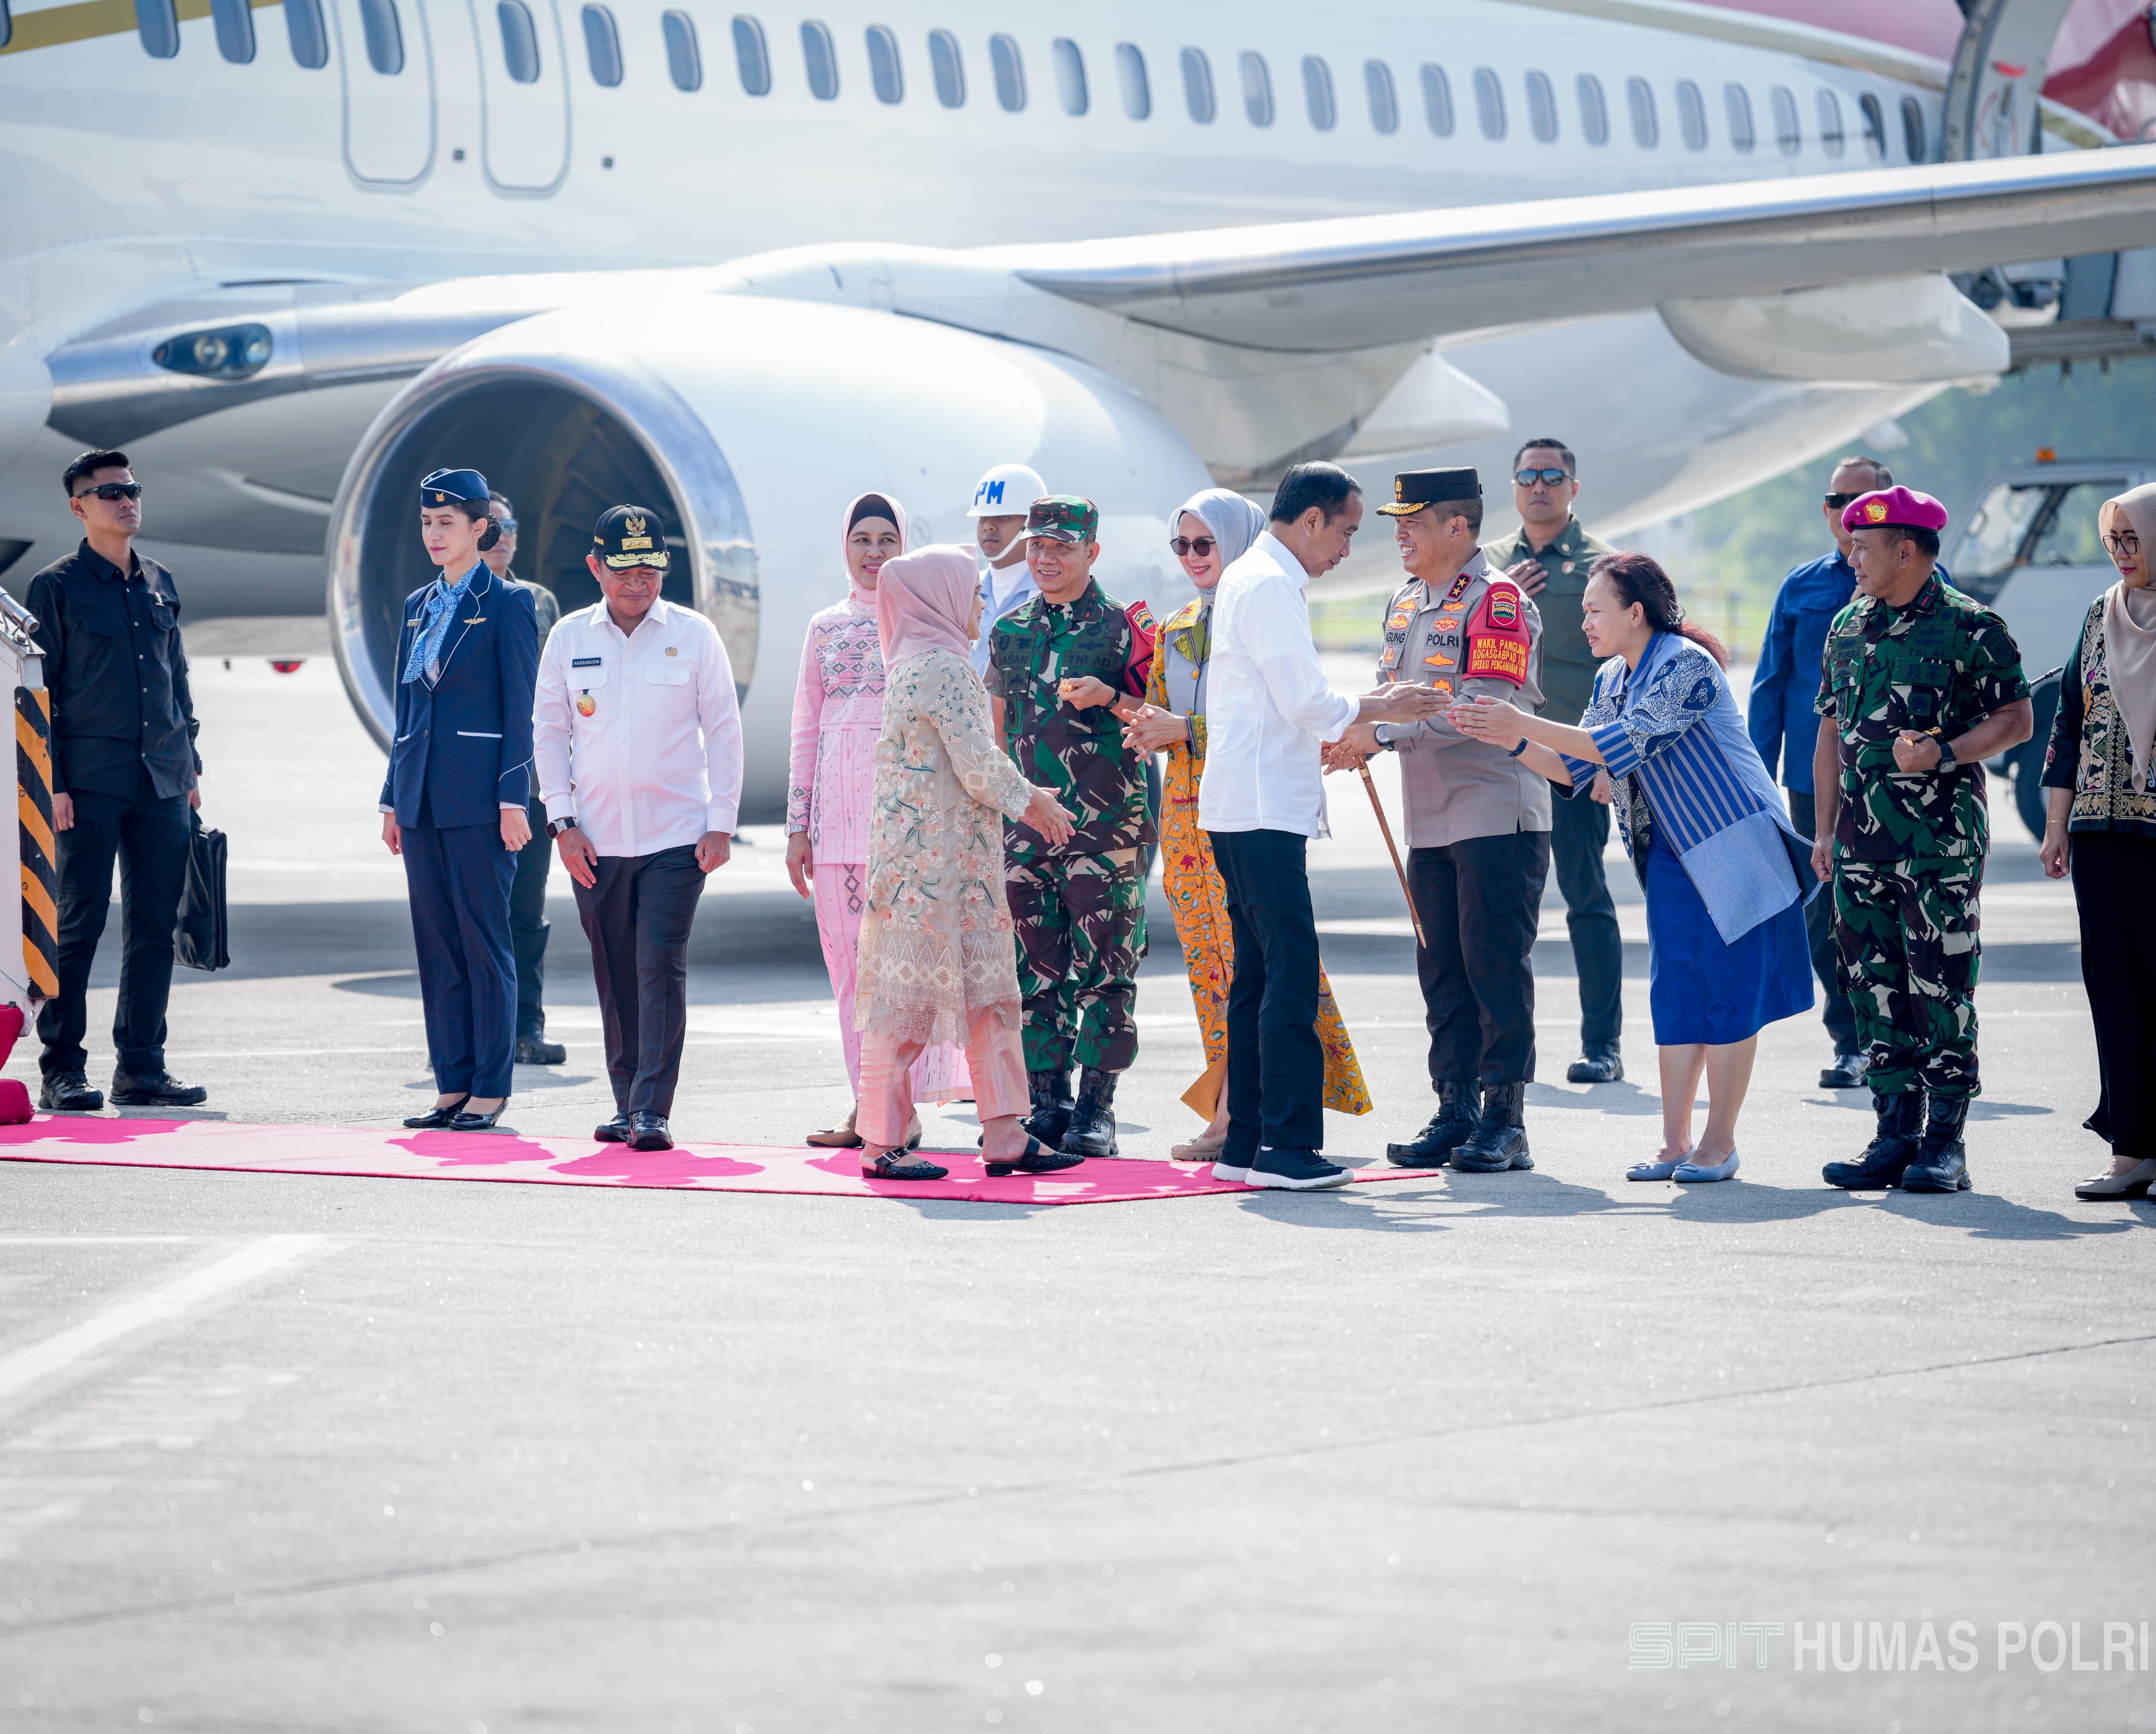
x=463, y=746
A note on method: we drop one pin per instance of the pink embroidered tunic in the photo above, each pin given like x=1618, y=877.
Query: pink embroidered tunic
x=838, y=713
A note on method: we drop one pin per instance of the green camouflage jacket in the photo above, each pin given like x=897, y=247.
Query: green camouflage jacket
x=1569, y=666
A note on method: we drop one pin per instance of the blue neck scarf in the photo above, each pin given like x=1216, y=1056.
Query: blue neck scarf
x=442, y=599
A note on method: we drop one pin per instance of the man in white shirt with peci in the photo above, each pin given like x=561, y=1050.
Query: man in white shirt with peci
x=1269, y=714
x=636, y=734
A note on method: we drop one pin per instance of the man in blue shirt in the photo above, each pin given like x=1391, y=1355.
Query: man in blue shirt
x=1784, y=727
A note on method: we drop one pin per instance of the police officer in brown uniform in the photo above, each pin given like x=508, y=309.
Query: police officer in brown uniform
x=1478, y=823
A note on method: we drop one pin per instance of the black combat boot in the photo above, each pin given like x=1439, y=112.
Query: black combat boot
x=1051, y=1106
x=1892, y=1148
x=1499, y=1140
x=1448, y=1128
x=1941, y=1163
x=1092, y=1128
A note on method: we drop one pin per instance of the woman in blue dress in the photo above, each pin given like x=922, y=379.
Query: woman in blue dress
x=1727, y=877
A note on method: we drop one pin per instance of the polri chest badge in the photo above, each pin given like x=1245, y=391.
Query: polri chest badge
x=586, y=704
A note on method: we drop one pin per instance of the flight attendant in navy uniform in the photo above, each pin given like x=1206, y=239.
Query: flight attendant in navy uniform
x=453, y=805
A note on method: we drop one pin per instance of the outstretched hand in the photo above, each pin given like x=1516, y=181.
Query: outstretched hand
x=1494, y=721
x=1045, y=814
x=1348, y=752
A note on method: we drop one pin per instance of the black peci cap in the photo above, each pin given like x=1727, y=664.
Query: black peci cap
x=1415, y=489
x=630, y=536
x=451, y=487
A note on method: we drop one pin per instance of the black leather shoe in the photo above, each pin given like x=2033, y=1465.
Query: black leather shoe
x=1598, y=1065
x=1091, y=1131
x=1941, y=1163
x=614, y=1131
x=469, y=1121
x=437, y=1119
x=70, y=1093
x=1499, y=1140
x=1847, y=1073
x=1893, y=1147
x=155, y=1089
x=647, y=1130
x=1448, y=1128
x=1050, y=1115
x=537, y=1051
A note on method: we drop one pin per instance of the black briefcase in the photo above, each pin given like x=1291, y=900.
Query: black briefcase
x=199, y=937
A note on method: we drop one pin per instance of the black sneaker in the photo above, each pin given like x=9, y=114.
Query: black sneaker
x=70, y=1093
x=537, y=1051
x=155, y=1089
x=1295, y=1170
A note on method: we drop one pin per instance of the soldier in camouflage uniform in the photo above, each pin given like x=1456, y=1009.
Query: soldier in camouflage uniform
x=1064, y=673
x=1921, y=683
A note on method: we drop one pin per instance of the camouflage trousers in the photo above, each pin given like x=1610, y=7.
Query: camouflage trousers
x=1906, y=936
x=1079, y=920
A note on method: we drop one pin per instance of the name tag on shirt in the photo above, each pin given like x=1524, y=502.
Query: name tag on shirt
x=585, y=662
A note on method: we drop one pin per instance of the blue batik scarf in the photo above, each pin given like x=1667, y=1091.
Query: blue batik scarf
x=443, y=598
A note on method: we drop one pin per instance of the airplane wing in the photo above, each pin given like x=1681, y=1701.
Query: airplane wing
x=1355, y=282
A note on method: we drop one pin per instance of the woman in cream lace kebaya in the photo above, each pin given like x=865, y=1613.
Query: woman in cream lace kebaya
x=937, y=959
x=838, y=712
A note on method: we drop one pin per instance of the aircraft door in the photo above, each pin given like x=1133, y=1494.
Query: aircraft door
x=525, y=93
x=388, y=69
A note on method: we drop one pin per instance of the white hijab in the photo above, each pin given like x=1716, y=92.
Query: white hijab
x=2129, y=643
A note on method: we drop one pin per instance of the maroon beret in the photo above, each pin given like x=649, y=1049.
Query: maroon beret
x=1894, y=509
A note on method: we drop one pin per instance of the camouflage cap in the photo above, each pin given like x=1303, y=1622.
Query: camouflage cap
x=1063, y=518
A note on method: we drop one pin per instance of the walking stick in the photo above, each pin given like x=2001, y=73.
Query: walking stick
x=1392, y=849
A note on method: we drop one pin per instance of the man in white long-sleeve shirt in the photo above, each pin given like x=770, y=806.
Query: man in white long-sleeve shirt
x=636, y=734
x=1269, y=714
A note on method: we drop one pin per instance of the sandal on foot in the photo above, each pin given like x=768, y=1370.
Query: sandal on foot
x=1038, y=1159
x=891, y=1165
x=1655, y=1170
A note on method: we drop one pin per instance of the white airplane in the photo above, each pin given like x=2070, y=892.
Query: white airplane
x=740, y=266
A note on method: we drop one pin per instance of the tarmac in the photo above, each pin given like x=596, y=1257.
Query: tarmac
x=306, y=1454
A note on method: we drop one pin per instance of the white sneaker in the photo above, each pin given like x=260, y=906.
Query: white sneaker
x=1295, y=1171
x=1231, y=1172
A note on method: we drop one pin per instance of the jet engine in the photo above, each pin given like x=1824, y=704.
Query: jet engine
x=747, y=423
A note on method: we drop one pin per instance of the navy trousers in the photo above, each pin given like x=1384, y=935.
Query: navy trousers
x=1275, y=1064
x=528, y=924
x=637, y=913
x=459, y=878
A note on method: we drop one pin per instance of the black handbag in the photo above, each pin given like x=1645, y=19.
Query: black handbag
x=199, y=937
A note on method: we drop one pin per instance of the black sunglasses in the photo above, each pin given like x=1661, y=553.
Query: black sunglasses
x=1184, y=545
x=507, y=526
x=1548, y=477
x=113, y=490
x=1842, y=501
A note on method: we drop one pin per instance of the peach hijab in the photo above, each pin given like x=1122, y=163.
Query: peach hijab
x=924, y=601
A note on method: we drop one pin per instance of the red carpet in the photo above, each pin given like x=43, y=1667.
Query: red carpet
x=362, y=1151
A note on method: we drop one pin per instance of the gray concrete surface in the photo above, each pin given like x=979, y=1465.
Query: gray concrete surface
x=1443, y=1454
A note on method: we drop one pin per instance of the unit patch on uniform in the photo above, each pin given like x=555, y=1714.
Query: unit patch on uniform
x=1398, y=622
x=1503, y=608
x=1497, y=637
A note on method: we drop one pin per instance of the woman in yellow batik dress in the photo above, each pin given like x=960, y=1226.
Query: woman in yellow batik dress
x=1213, y=529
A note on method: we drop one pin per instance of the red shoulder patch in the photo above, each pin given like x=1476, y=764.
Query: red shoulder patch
x=1497, y=637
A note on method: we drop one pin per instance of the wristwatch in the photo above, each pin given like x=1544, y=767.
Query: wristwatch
x=1948, y=761
x=556, y=827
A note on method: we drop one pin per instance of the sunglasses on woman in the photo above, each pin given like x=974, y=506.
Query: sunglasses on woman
x=113, y=490
x=1548, y=478
x=1184, y=545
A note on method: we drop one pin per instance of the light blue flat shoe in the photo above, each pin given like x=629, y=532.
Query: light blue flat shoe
x=1687, y=1174
x=1656, y=1171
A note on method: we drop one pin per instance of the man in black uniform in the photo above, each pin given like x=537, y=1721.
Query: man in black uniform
x=123, y=770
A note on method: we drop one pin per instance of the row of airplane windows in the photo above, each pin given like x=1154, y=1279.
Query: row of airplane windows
x=233, y=22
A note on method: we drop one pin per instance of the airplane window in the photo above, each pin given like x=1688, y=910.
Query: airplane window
x=1593, y=111
x=1692, y=115
x=1317, y=93
x=159, y=27
x=1437, y=101
x=1198, y=86
x=885, y=72
x=1912, y=129
x=520, y=41
x=1739, y=102
x=822, y=58
x=310, y=37
x=1071, y=76
x=1991, y=546
x=235, y=29
x=1831, y=140
x=1009, y=70
x=385, y=36
x=6, y=35
x=602, y=46
x=1542, y=107
x=1384, y=104
x=751, y=59
x=1788, y=131
x=2069, y=536
x=1875, y=127
x=1646, y=128
x=1130, y=78
x=948, y=67
x=1257, y=90
x=685, y=60
x=1489, y=103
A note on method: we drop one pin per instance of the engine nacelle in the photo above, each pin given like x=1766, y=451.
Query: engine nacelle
x=749, y=422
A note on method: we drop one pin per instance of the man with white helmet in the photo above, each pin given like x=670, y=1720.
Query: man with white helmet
x=1000, y=503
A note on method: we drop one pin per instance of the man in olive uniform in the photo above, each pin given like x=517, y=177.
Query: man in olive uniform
x=1478, y=823
x=1921, y=685
x=1065, y=671
x=1548, y=558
